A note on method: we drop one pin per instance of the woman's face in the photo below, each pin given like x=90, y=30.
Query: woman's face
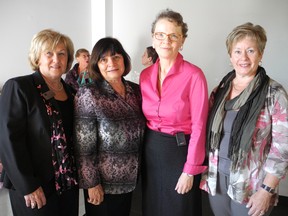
x=145, y=59
x=53, y=63
x=83, y=59
x=111, y=67
x=245, y=57
x=168, y=47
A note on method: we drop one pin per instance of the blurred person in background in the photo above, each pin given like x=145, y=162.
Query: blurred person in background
x=149, y=56
x=79, y=75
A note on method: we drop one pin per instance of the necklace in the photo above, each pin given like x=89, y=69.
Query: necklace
x=50, y=85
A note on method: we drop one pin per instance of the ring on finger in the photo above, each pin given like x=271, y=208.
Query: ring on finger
x=33, y=205
x=262, y=213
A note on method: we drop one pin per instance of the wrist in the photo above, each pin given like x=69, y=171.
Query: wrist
x=189, y=175
x=268, y=189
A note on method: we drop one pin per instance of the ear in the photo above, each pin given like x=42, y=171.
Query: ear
x=183, y=41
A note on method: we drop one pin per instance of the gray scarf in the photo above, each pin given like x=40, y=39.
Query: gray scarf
x=249, y=103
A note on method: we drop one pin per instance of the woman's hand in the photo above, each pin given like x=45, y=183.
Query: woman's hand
x=259, y=203
x=96, y=195
x=35, y=199
x=184, y=183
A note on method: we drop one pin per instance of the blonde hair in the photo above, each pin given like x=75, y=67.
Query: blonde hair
x=255, y=32
x=48, y=39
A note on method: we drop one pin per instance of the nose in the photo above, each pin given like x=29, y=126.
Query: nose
x=111, y=61
x=55, y=57
x=244, y=55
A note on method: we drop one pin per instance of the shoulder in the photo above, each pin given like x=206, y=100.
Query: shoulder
x=276, y=86
x=277, y=92
x=132, y=84
x=192, y=68
x=132, y=87
x=146, y=72
x=73, y=71
x=21, y=82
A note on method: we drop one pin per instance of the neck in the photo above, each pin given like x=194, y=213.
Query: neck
x=165, y=65
x=81, y=69
x=54, y=85
x=119, y=87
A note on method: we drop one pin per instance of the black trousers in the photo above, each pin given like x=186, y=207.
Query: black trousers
x=222, y=205
x=67, y=204
x=113, y=205
x=281, y=208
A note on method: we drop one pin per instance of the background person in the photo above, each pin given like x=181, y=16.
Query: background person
x=109, y=127
x=36, y=120
x=79, y=75
x=247, y=131
x=149, y=56
x=175, y=104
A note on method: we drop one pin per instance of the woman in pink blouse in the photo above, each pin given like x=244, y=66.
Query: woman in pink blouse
x=175, y=104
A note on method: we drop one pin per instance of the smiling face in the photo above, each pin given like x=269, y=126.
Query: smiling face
x=245, y=57
x=168, y=47
x=53, y=63
x=111, y=67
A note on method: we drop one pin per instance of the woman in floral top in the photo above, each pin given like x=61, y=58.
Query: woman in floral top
x=247, y=131
x=109, y=126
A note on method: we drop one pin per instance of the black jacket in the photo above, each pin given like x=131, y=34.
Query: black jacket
x=25, y=147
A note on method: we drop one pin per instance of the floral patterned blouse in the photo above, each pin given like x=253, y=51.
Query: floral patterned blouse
x=269, y=153
x=109, y=130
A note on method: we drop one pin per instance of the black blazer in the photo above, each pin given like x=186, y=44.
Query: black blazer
x=25, y=147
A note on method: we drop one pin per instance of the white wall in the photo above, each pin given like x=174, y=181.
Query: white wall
x=209, y=23
x=86, y=21
x=20, y=20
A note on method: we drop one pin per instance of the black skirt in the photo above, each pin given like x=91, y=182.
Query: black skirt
x=163, y=163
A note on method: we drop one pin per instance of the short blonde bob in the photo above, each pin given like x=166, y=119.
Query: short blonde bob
x=48, y=39
x=249, y=30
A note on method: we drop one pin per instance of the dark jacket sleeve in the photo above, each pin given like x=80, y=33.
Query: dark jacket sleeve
x=24, y=140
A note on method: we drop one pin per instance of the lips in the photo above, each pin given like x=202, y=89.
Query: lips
x=244, y=65
x=113, y=70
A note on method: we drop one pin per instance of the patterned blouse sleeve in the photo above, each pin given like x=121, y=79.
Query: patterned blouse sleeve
x=85, y=136
x=277, y=160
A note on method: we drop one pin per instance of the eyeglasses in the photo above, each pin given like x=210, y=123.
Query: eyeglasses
x=162, y=36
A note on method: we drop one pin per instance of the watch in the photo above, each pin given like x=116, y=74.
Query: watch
x=268, y=189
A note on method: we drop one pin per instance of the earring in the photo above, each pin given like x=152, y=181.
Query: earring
x=181, y=48
x=260, y=63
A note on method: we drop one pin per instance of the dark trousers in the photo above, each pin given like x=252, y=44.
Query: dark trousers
x=281, y=208
x=67, y=204
x=113, y=205
x=222, y=205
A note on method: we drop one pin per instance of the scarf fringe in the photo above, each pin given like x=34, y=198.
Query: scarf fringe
x=239, y=160
x=214, y=141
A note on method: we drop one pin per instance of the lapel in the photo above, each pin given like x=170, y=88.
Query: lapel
x=48, y=95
